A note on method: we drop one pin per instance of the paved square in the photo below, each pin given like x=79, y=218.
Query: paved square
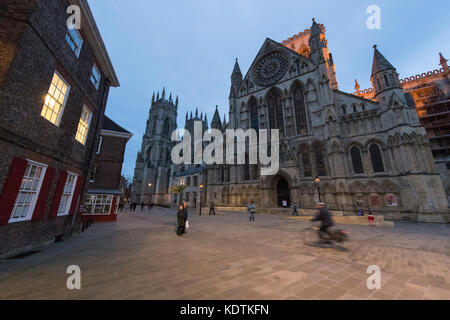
x=229, y=257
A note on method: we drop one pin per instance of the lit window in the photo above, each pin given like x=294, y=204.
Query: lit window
x=83, y=125
x=95, y=76
x=99, y=204
x=67, y=195
x=74, y=40
x=28, y=192
x=55, y=100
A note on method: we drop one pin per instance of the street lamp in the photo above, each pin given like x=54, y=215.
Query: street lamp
x=150, y=186
x=317, y=182
x=201, y=188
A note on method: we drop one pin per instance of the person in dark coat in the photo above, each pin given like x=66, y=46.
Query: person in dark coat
x=212, y=208
x=326, y=221
x=181, y=221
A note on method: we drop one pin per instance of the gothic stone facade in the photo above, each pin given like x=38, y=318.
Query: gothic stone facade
x=371, y=151
x=430, y=92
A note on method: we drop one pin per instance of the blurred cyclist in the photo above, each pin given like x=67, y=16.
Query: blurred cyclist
x=326, y=221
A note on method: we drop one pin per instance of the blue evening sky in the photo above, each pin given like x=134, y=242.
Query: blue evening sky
x=190, y=46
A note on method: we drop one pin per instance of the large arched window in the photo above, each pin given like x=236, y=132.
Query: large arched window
x=320, y=161
x=254, y=121
x=247, y=168
x=166, y=127
x=377, y=160
x=300, y=111
x=356, y=160
x=246, y=172
x=276, y=113
x=155, y=123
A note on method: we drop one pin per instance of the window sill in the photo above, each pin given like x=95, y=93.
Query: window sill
x=18, y=220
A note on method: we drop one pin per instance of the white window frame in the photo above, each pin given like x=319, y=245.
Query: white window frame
x=85, y=108
x=76, y=51
x=68, y=194
x=89, y=202
x=95, y=82
x=63, y=105
x=35, y=196
x=99, y=148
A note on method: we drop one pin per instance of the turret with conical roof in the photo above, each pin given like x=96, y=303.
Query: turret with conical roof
x=216, y=123
x=236, y=76
x=385, y=80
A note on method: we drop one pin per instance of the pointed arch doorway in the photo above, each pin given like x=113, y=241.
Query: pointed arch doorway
x=283, y=193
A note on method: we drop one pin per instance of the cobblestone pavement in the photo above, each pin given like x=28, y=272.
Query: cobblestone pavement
x=229, y=257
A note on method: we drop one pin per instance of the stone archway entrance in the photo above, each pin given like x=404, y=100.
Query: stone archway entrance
x=283, y=193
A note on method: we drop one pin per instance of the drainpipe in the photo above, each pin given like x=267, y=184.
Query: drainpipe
x=91, y=160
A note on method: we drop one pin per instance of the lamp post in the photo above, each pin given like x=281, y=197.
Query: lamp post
x=317, y=182
x=201, y=188
x=150, y=186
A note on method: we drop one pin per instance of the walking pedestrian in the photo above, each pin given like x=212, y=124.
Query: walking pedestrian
x=251, y=210
x=295, y=212
x=212, y=209
x=180, y=221
x=151, y=205
x=185, y=216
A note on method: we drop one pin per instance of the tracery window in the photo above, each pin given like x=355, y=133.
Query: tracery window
x=377, y=160
x=276, y=113
x=356, y=160
x=254, y=121
x=300, y=111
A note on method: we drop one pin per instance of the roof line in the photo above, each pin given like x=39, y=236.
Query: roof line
x=96, y=41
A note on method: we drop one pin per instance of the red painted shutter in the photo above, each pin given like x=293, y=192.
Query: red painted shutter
x=113, y=206
x=43, y=194
x=76, y=194
x=11, y=188
x=58, y=194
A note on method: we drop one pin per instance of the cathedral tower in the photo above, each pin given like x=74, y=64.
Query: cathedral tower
x=153, y=164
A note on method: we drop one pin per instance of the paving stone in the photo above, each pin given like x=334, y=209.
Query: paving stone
x=140, y=257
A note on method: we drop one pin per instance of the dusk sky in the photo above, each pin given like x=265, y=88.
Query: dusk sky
x=190, y=47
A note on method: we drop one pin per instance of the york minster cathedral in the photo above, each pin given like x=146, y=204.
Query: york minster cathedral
x=344, y=149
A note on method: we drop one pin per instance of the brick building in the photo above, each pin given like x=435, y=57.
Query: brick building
x=104, y=194
x=54, y=84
